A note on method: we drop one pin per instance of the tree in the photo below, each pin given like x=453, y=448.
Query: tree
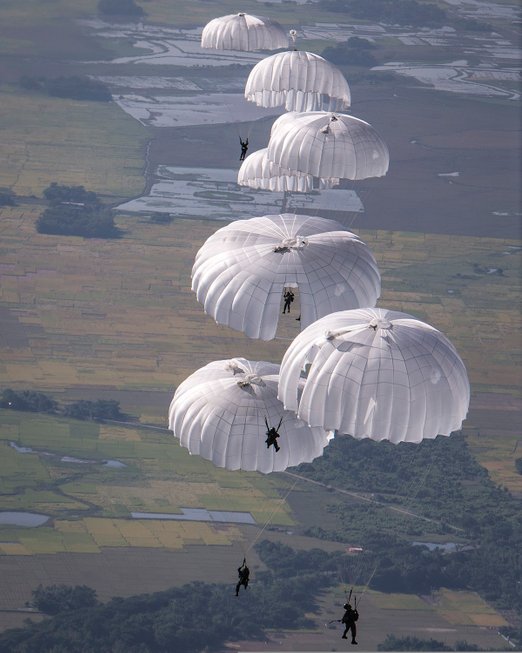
x=54, y=599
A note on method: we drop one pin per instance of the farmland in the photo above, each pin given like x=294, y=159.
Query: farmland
x=116, y=319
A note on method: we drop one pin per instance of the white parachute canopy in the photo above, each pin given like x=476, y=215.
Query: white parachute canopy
x=374, y=373
x=219, y=413
x=257, y=171
x=243, y=32
x=299, y=81
x=327, y=145
x=242, y=270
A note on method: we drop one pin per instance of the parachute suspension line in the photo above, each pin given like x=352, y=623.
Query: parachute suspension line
x=243, y=550
x=361, y=595
x=279, y=503
x=243, y=130
x=284, y=202
x=353, y=220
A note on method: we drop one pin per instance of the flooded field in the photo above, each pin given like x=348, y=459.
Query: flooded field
x=213, y=194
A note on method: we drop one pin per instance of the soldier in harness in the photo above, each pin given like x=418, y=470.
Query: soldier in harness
x=243, y=573
x=350, y=616
x=272, y=435
x=289, y=298
x=244, y=148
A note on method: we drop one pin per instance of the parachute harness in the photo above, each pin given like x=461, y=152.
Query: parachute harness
x=288, y=244
x=250, y=379
x=326, y=129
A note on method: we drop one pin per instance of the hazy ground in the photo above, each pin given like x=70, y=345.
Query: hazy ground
x=85, y=319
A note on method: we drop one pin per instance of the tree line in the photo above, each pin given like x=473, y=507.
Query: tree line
x=38, y=402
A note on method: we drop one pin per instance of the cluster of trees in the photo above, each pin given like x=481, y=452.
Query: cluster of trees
x=439, y=479
x=402, y=12
x=74, y=211
x=353, y=52
x=76, y=87
x=28, y=400
x=120, y=8
x=59, y=193
x=38, y=402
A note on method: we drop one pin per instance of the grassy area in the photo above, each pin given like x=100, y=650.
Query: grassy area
x=467, y=608
x=93, y=144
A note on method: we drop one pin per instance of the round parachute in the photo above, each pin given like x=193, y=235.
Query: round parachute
x=257, y=171
x=243, y=32
x=299, y=81
x=374, y=373
x=241, y=271
x=219, y=413
x=328, y=145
